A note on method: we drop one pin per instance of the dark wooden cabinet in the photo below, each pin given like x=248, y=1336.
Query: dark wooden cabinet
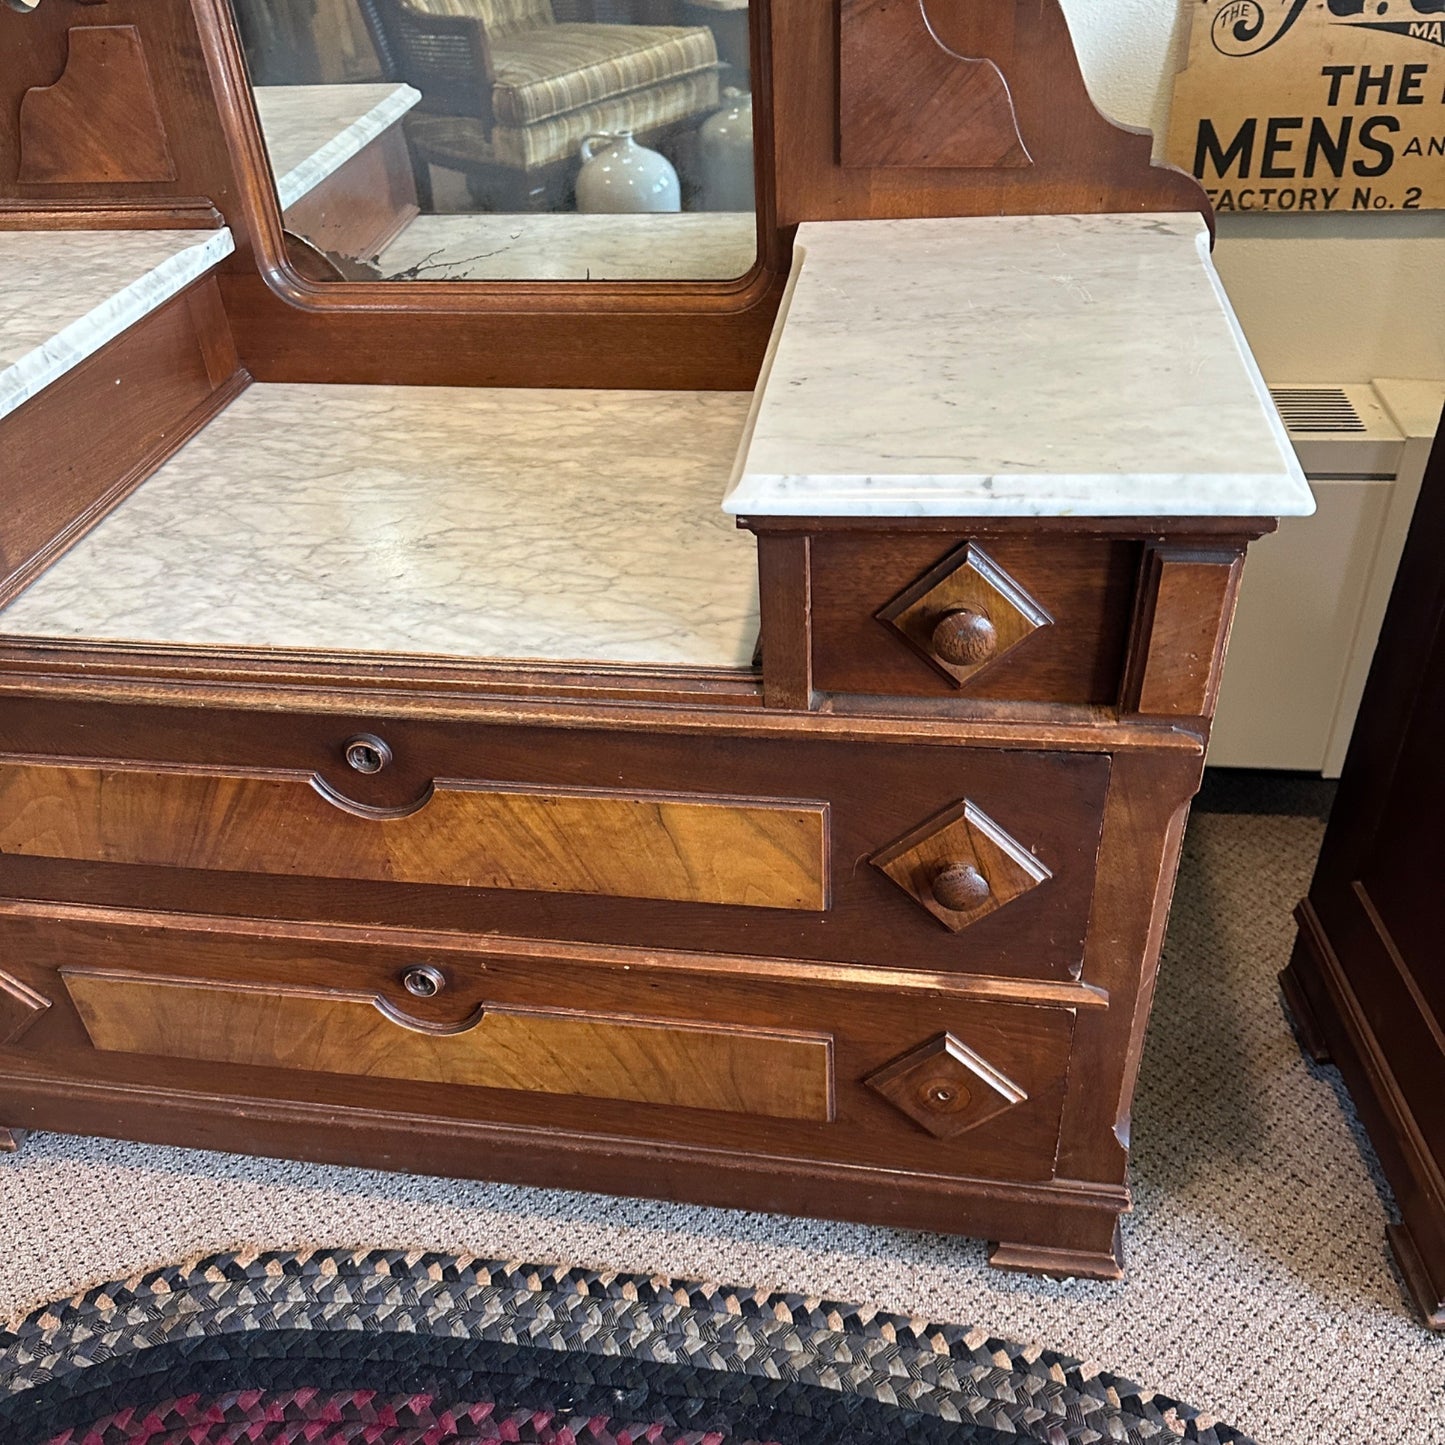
x=1366, y=983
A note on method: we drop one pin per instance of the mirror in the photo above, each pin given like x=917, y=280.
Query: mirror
x=508, y=140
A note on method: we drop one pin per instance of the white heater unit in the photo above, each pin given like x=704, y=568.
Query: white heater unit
x=1314, y=593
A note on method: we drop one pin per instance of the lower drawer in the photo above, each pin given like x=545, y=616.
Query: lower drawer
x=782, y=1059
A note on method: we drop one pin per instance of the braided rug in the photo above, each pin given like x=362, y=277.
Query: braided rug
x=383, y=1347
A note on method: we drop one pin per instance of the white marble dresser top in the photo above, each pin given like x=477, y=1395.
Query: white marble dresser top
x=567, y=246
x=1012, y=366
x=560, y=525
x=65, y=294
x=313, y=130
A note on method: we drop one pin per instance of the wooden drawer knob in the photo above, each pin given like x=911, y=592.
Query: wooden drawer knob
x=959, y=887
x=424, y=981
x=366, y=753
x=965, y=637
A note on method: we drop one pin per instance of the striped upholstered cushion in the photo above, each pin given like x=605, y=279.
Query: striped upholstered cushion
x=464, y=139
x=499, y=17
x=559, y=69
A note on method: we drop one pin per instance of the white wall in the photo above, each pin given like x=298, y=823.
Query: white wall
x=1322, y=298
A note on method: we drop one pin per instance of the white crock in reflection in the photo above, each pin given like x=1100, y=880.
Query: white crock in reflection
x=725, y=154
x=624, y=176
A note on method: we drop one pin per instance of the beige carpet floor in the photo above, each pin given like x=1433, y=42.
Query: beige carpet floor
x=1259, y=1287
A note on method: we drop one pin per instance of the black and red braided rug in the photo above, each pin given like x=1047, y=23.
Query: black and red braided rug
x=384, y=1347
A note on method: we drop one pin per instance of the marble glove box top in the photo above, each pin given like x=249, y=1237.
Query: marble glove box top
x=67, y=293
x=1012, y=366
x=313, y=130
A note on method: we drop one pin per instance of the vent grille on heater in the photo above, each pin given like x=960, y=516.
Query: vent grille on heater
x=1317, y=408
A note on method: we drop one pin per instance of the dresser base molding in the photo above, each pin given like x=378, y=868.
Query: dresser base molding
x=11, y=1140
x=1068, y=1219
x=1315, y=976
x=1061, y=1263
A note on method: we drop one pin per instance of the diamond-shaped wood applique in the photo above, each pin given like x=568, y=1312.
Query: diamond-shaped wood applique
x=20, y=1006
x=946, y=1087
x=964, y=615
x=961, y=866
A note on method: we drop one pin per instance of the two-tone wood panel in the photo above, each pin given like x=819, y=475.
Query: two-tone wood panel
x=745, y=852
x=829, y=1064
x=746, y=843
x=549, y=1051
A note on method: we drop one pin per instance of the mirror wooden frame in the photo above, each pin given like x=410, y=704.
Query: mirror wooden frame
x=667, y=334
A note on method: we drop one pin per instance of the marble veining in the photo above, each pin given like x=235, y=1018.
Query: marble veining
x=311, y=131
x=564, y=246
x=1012, y=366
x=67, y=293
x=561, y=525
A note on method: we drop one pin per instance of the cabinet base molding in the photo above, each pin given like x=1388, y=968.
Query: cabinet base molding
x=561, y=1159
x=1316, y=976
x=1301, y=1015
x=1428, y=1294
x=1057, y=1263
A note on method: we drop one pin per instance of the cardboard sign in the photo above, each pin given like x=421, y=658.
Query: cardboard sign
x=1314, y=105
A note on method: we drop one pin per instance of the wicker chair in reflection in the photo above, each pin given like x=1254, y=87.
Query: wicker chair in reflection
x=509, y=90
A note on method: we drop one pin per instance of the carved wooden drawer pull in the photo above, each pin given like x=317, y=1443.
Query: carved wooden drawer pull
x=961, y=866
x=965, y=637
x=959, y=887
x=965, y=614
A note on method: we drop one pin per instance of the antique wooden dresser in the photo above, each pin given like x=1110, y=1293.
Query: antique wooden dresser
x=405, y=761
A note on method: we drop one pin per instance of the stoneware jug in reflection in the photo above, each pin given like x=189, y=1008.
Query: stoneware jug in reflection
x=619, y=175
x=725, y=154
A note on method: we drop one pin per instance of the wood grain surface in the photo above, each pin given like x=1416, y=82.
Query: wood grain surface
x=1184, y=611
x=749, y=853
x=777, y=1074
x=904, y=99
x=100, y=121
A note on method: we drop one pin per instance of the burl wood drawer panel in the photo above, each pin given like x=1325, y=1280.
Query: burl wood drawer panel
x=670, y=1047
x=1039, y=619
x=339, y=1032
x=639, y=845
x=803, y=847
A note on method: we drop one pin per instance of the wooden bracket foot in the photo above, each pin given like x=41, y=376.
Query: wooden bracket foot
x=1060, y=1263
x=11, y=1140
x=1301, y=1015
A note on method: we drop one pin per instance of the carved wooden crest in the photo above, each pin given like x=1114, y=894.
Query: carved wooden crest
x=906, y=99
x=101, y=121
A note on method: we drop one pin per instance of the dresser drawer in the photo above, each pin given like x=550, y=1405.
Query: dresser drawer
x=929, y=614
x=932, y=855
x=664, y=1047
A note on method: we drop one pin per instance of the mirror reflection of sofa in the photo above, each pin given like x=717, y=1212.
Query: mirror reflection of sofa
x=511, y=87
